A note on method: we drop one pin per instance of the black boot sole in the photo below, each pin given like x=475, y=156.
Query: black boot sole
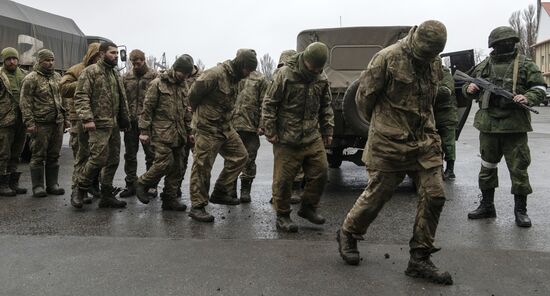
x=225, y=202
x=202, y=219
x=444, y=279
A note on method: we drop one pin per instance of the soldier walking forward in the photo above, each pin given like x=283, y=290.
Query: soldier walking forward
x=398, y=90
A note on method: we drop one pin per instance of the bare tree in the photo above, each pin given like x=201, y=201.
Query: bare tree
x=525, y=23
x=200, y=65
x=267, y=66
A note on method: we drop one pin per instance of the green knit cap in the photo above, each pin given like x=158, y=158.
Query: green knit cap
x=184, y=64
x=45, y=54
x=316, y=54
x=246, y=59
x=9, y=52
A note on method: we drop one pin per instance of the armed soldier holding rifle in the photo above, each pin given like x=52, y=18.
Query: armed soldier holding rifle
x=504, y=120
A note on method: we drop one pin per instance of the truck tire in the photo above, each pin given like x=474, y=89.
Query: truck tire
x=351, y=113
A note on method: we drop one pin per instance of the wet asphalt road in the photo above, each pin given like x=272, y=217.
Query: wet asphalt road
x=49, y=248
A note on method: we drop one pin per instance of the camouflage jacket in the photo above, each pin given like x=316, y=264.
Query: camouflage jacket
x=445, y=108
x=69, y=81
x=212, y=98
x=500, y=115
x=136, y=87
x=398, y=99
x=41, y=99
x=248, y=108
x=7, y=107
x=16, y=82
x=94, y=99
x=165, y=114
x=296, y=111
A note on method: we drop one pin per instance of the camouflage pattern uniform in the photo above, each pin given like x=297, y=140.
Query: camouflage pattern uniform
x=503, y=125
x=78, y=136
x=446, y=119
x=246, y=121
x=399, y=89
x=166, y=119
x=13, y=136
x=212, y=98
x=100, y=98
x=297, y=109
x=136, y=85
x=41, y=106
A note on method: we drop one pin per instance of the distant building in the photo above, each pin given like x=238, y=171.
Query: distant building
x=542, y=46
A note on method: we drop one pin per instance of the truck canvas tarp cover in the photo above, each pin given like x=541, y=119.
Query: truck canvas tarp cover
x=29, y=30
x=351, y=49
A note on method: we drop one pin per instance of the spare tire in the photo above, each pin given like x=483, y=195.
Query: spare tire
x=352, y=116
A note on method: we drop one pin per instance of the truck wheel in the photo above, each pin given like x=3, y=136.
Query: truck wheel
x=351, y=113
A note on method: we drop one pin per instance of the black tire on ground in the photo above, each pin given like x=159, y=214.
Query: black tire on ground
x=351, y=114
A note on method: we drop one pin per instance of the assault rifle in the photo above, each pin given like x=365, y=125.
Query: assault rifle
x=488, y=86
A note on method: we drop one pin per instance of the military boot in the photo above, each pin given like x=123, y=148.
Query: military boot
x=309, y=213
x=296, y=196
x=14, y=183
x=246, y=185
x=52, y=184
x=486, y=207
x=37, y=179
x=5, y=189
x=77, y=197
x=152, y=191
x=449, y=173
x=520, y=211
x=420, y=266
x=172, y=203
x=141, y=193
x=129, y=191
x=284, y=223
x=347, y=246
x=108, y=200
x=201, y=215
x=222, y=197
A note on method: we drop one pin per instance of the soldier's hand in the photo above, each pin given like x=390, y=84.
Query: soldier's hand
x=472, y=88
x=521, y=99
x=327, y=140
x=31, y=129
x=273, y=139
x=144, y=138
x=89, y=126
x=260, y=131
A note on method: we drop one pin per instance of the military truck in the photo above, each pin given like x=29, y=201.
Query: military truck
x=350, y=51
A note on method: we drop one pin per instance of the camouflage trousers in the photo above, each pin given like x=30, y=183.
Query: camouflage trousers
x=288, y=162
x=207, y=147
x=380, y=189
x=104, y=147
x=514, y=148
x=79, y=145
x=168, y=163
x=448, y=141
x=251, y=142
x=131, y=146
x=12, y=141
x=46, y=145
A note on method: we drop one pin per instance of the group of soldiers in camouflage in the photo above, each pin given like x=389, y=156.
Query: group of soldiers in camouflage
x=405, y=93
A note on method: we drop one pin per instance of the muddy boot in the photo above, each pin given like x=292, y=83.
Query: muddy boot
x=52, y=184
x=14, y=183
x=88, y=199
x=520, y=211
x=449, y=173
x=129, y=191
x=309, y=213
x=284, y=223
x=347, y=246
x=486, y=207
x=77, y=197
x=246, y=185
x=201, y=215
x=5, y=189
x=296, y=196
x=37, y=179
x=152, y=191
x=172, y=203
x=221, y=197
x=420, y=266
x=108, y=200
x=142, y=194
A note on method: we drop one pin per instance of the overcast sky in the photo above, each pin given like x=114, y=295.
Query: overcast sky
x=213, y=30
